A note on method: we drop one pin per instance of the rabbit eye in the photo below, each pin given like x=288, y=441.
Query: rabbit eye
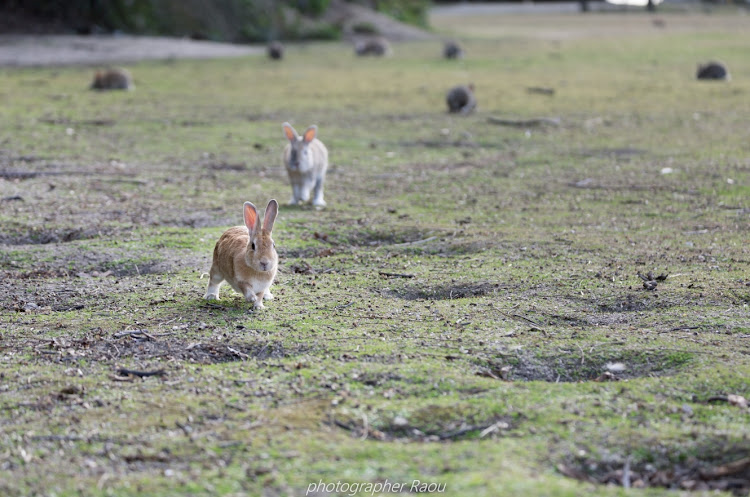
x=253, y=246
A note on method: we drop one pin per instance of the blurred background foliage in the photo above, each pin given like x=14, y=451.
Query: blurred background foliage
x=220, y=20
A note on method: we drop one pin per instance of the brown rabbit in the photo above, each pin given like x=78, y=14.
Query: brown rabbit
x=113, y=79
x=246, y=258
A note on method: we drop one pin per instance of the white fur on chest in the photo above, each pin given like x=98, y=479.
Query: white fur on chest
x=255, y=286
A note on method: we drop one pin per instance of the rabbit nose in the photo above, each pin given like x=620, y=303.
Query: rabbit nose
x=264, y=266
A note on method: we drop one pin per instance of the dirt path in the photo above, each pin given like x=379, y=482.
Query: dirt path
x=58, y=50
x=26, y=50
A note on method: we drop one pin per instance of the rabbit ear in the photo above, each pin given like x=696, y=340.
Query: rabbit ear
x=310, y=134
x=252, y=221
x=291, y=133
x=271, y=210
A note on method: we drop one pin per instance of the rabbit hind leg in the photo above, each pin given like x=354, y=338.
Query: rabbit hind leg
x=318, y=193
x=215, y=279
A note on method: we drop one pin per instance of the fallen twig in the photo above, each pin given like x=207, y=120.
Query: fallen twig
x=540, y=90
x=683, y=328
x=212, y=305
x=134, y=334
x=73, y=438
x=365, y=427
x=343, y=425
x=532, y=323
x=493, y=428
x=239, y=354
x=141, y=374
x=731, y=468
x=732, y=399
x=125, y=180
x=396, y=275
x=589, y=183
x=464, y=431
x=114, y=377
x=11, y=174
x=488, y=373
x=58, y=438
x=439, y=144
x=418, y=242
x=626, y=474
x=537, y=121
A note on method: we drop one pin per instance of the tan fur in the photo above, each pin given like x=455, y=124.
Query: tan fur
x=250, y=272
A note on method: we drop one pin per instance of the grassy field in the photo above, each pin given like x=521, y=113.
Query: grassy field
x=467, y=310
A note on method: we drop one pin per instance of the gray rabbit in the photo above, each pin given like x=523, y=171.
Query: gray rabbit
x=377, y=46
x=113, y=79
x=713, y=70
x=275, y=50
x=306, y=161
x=461, y=99
x=452, y=50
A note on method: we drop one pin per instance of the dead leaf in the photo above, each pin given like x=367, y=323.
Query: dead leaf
x=302, y=267
x=650, y=281
x=498, y=374
x=606, y=376
x=70, y=390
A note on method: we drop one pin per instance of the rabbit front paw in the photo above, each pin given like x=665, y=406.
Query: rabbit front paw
x=250, y=297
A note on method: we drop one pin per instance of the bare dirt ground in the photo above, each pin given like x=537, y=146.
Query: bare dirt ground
x=48, y=47
x=62, y=50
